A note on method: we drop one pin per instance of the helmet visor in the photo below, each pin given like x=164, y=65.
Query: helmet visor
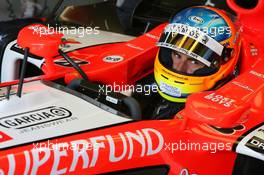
x=193, y=43
x=170, y=59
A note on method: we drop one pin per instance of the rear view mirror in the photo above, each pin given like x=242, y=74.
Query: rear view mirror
x=40, y=40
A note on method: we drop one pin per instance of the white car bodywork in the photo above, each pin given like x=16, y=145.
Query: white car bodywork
x=45, y=112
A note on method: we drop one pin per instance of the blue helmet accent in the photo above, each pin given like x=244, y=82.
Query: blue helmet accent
x=206, y=20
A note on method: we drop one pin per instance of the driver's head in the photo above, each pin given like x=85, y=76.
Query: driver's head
x=184, y=63
x=197, y=49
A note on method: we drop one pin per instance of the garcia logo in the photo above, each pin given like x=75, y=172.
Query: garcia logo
x=33, y=118
x=113, y=59
x=196, y=19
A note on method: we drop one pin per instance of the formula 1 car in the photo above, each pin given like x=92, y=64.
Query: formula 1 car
x=52, y=129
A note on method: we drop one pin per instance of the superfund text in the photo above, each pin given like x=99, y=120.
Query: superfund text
x=87, y=153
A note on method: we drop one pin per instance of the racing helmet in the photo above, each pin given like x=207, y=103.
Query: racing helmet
x=208, y=40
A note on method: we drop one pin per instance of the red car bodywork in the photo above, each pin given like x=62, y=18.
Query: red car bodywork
x=136, y=56
x=143, y=144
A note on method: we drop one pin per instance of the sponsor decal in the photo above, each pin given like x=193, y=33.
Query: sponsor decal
x=186, y=172
x=229, y=131
x=196, y=19
x=252, y=142
x=113, y=59
x=173, y=91
x=256, y=144
x=189, y=31
x=194, y=33
x=246, y=87
x=260, y=75
x=62, y=62
x=256, y=141
x=135, y=47
x=220, y=99
x=152, y=36
x=253, y=49
x=86, y=153
x=4, y=137
x=34, y=118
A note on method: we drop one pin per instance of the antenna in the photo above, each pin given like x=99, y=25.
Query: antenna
x=22, y=73
x=8, y=92
x=75, y=65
